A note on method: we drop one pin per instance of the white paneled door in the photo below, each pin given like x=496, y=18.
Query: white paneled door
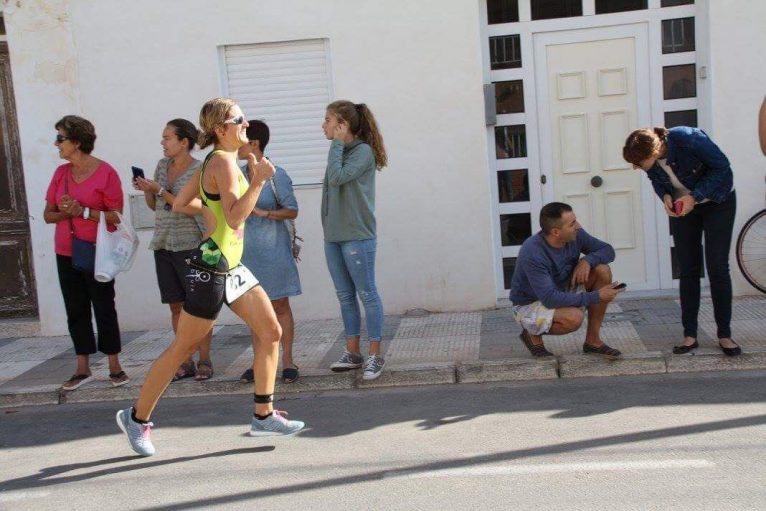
x=590, y=95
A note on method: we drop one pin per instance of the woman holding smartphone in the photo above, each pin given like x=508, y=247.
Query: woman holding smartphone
x=215, y=276
x=348, y=221
x=693, y=178
x=176, y=234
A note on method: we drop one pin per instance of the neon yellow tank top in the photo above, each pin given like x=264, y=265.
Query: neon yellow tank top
x=223, y=249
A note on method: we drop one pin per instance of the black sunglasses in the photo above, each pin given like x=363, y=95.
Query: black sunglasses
x=61, y=138
x=235, y=120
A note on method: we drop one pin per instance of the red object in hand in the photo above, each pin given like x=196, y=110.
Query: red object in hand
x=679, y=207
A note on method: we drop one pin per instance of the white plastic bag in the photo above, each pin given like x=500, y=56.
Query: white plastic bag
x=116, y=250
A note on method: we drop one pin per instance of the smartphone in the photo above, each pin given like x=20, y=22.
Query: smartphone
x=678, y=206
x=137, y=172
x=621, y=285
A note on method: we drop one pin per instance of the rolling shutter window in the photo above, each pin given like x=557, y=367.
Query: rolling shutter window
x=287, y=85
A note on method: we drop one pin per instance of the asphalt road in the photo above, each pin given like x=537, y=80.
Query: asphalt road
x=652, y=442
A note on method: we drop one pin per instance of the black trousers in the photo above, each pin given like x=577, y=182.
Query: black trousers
x=81, y=292
x=716, y=222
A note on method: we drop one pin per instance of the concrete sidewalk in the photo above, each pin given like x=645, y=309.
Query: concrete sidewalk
x=461, y=347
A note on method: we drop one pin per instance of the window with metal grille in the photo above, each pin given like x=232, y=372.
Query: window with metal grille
x=678, y=35
x=505, y=51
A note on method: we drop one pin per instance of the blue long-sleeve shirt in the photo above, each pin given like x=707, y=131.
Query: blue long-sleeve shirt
x=543, y=272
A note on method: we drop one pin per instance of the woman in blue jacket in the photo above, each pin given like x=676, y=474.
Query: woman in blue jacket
x=693, y=178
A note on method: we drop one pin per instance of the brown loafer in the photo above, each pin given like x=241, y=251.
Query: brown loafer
x=604, y=350
x=537, y=350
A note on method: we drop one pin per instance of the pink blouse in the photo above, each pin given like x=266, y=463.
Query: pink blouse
x=102, y=190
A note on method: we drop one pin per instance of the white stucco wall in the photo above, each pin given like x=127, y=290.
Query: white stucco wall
x=738, y=85
x=129, y=68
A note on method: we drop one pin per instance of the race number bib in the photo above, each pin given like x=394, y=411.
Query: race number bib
x=238, y=282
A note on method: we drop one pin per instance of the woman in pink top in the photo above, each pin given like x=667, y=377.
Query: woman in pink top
x=79, y=193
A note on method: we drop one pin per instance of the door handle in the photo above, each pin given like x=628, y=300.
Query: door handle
x=596, y=181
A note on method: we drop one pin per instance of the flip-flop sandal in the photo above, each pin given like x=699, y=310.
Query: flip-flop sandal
x=204, y=370
x=185, y=371
x=119, y=379
x=290, y=374
x=605, y=351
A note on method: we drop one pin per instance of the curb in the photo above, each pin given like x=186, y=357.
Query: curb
x=515, y=369
x=506, y=370
x=581, y=366
x=714, y=360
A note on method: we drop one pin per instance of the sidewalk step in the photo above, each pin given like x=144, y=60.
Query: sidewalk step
x=19, y=327
x=578, y=366
x=514, y=369
x=714, y=360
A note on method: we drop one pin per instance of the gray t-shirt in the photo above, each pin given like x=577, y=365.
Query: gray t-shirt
x=175, y=231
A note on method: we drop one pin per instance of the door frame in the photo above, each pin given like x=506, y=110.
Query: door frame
x=640, y=32
x=15, y=222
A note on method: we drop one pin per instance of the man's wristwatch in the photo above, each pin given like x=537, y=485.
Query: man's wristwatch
x=162, y=190
x=86, y=213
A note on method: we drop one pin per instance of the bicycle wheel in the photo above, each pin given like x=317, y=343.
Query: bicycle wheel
x=751, y=251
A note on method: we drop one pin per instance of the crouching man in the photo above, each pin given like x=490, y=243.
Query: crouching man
x=551, y=283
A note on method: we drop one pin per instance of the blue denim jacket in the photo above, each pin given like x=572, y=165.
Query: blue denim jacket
x=697, y=163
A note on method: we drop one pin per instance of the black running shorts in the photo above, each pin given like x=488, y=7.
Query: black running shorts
x=206, y=290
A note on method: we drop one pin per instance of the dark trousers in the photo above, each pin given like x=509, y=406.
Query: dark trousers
x=716, y=221
x=81, y=292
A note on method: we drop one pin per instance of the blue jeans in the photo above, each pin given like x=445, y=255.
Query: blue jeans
x=352, y=268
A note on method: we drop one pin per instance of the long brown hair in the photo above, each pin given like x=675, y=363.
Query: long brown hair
x=644, y=143
x=212, y=115
x=362, y=124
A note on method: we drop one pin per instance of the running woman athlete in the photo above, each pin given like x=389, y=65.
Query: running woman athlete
x=215, y=276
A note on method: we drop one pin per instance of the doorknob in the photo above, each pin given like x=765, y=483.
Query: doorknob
x=596, y=181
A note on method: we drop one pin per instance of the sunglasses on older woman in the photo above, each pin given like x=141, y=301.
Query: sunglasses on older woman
x=240, y=119
x=61, y=138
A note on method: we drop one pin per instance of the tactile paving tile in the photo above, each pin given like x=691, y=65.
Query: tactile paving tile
x=741, y=310
x=617, y=334
x=34, y=348
x=497, y=324
x=440, y=325
x=313, y=331
x=148, y=346
x=747, y=332
x=433, y=349
x=242, y=362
